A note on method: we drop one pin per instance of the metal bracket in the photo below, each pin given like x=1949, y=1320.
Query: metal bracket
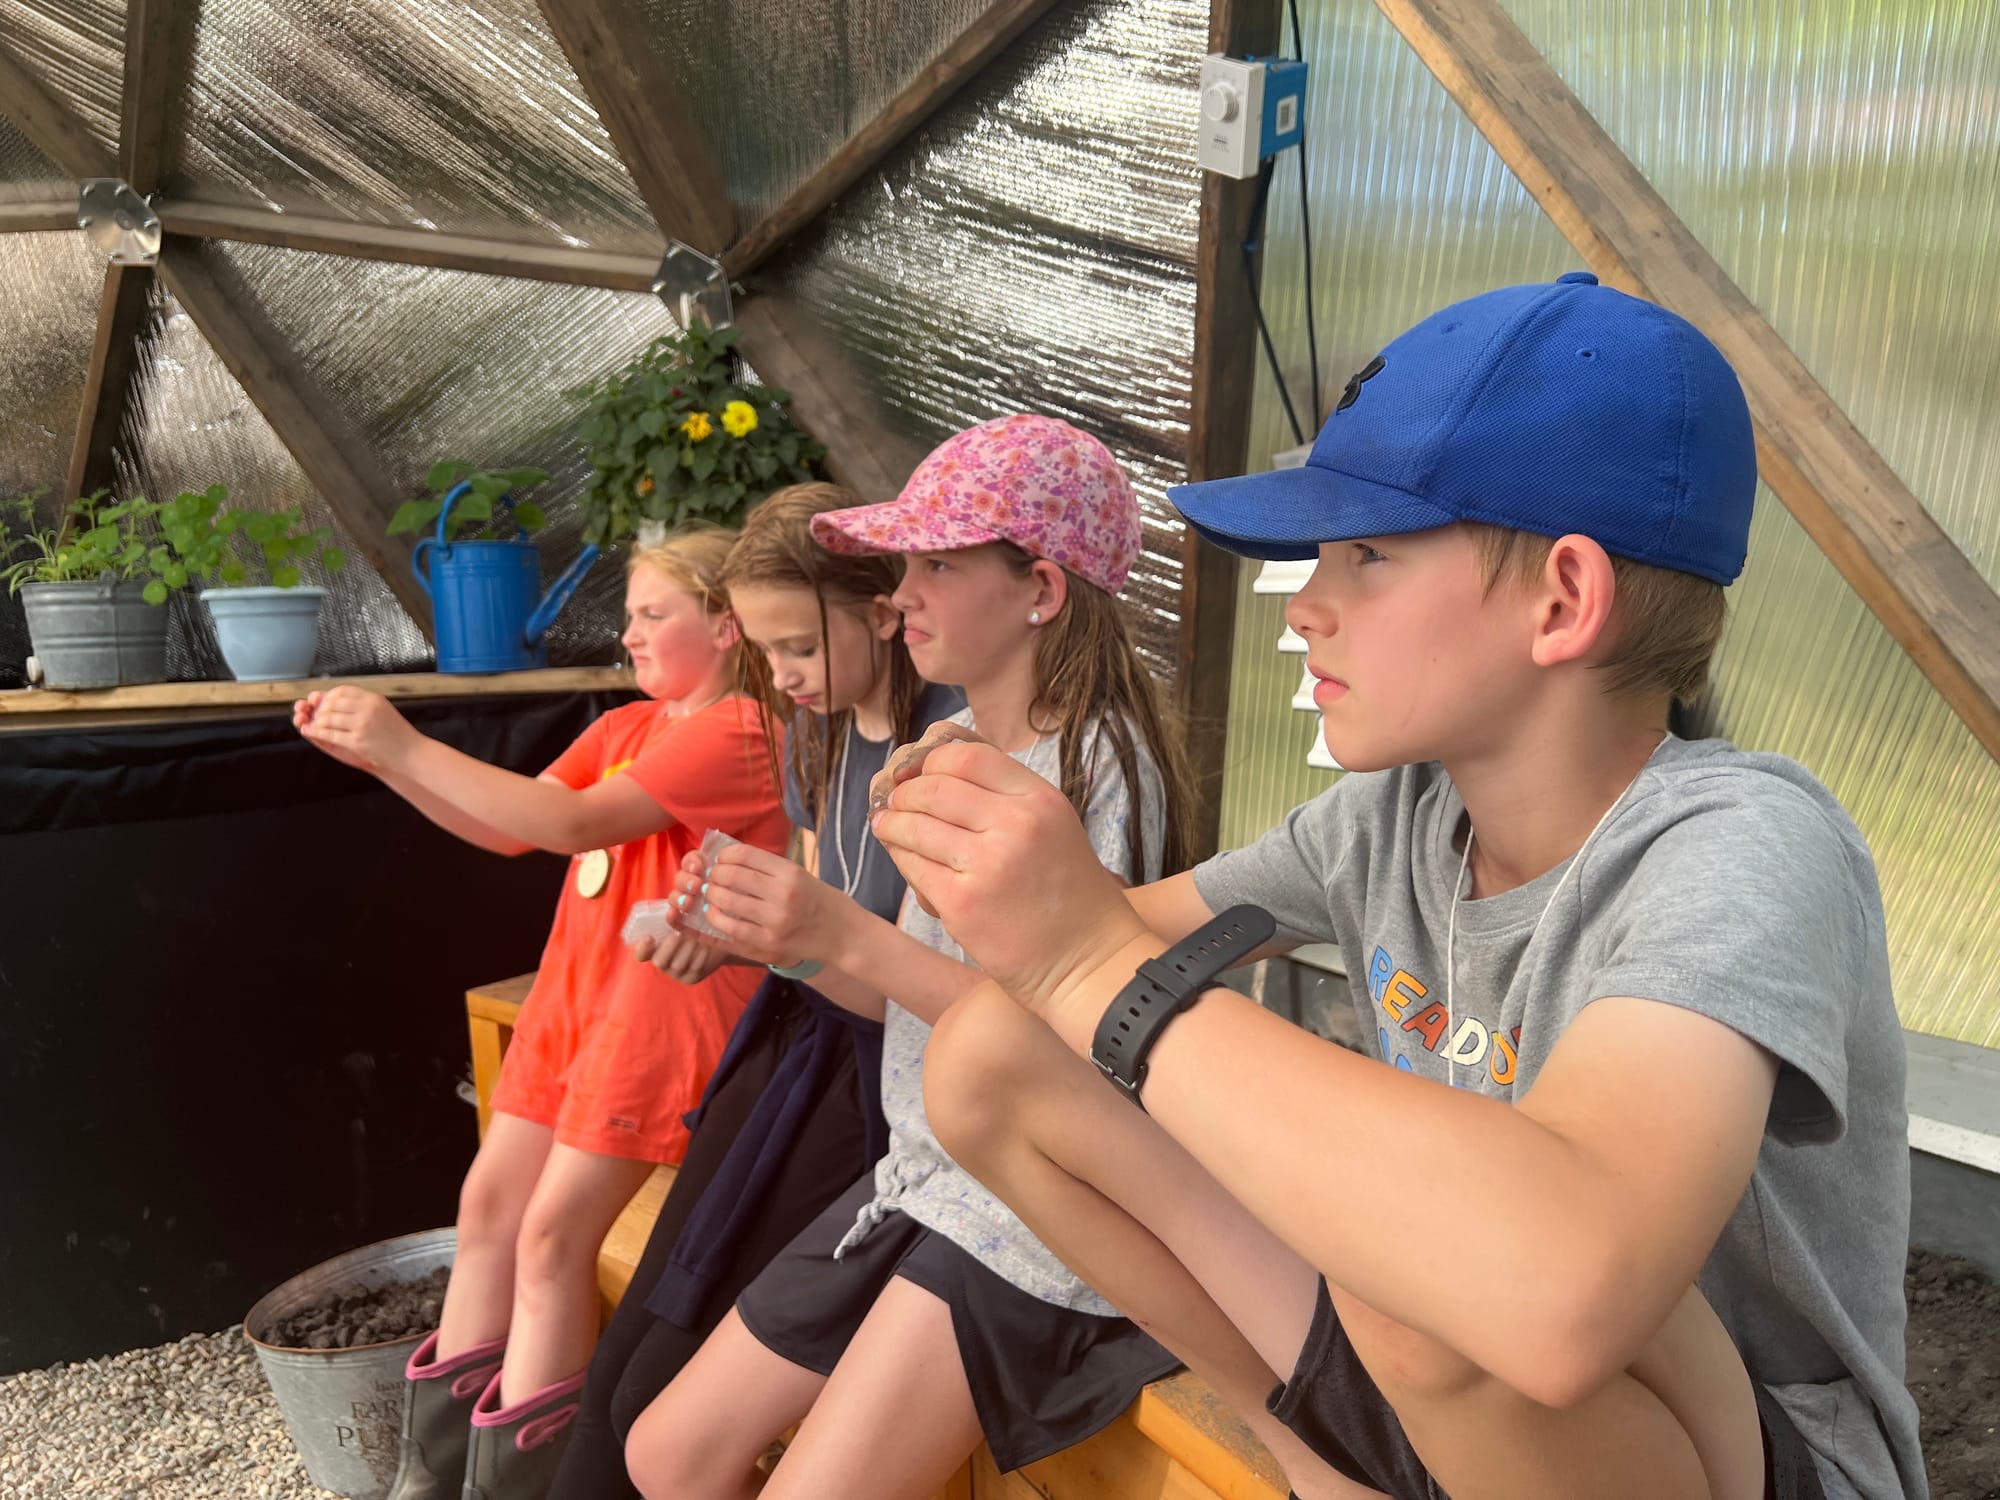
x=693, y=286
x=118, y=222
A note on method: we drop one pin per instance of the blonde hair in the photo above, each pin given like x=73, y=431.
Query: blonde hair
x=694, y=558
x=777, y=550
x=1086, y=669
x=1665, y=623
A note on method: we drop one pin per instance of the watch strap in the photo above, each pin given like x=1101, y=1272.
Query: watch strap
x=1163, y=987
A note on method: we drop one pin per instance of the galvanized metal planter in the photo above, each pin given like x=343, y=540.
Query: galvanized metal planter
x=345, y=1406
x=96, y=635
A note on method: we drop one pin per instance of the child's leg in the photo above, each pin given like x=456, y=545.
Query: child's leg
x=576, y=1199
x=702, y=1436
x=1160, y=1237
x=1129, y=1211
x=896, y=1419
x=479, y=1299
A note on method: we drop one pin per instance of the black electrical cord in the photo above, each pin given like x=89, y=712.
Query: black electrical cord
x=1306, y=230
x=1256, y=303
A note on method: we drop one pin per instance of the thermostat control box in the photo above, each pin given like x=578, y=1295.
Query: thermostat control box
x=1251, y=108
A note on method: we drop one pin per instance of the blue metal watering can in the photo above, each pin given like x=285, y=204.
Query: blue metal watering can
x=483, y=597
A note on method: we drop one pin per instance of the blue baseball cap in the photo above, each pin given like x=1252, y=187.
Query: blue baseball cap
x=1551, y=408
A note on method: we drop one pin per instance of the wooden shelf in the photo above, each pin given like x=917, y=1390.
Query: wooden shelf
x=44, y=707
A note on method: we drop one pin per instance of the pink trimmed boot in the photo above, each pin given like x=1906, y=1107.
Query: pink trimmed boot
x=516, y=1449
x=437, y=1411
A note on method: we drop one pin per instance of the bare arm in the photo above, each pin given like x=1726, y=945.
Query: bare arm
x=1594, y=1204
x=487, y=805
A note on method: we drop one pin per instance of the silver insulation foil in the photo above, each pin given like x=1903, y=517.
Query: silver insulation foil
x=49, y=288
x=190, y=425
x=27, y=176
x=448, y=116
x=77, y=49
x=429, y=364
x=774, y=86
x=1032, y=249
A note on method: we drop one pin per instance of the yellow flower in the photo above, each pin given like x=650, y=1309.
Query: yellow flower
x=697, y=425
x=740, y=418
x=645, y=484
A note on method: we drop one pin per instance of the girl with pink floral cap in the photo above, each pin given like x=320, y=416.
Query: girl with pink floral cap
x=917, y=1314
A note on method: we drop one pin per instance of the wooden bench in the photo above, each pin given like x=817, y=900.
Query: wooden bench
x=1177, y=1442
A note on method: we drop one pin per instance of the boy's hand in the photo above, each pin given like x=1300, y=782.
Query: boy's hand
x=356, y=726
x=906, y=761
x=683, y=956
x=998, y=854
x=769, y=909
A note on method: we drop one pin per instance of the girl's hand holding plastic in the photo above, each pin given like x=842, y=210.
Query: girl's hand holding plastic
x=357, y=726
x=998, y=854
x=681, y=955
x=767, y=909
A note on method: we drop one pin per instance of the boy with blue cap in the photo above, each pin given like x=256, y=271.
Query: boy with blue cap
x=1626, y=1212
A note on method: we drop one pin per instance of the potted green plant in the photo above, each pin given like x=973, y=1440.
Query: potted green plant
x=91, y=590
x=489, y=611
x=678, y=435
x=267, y=631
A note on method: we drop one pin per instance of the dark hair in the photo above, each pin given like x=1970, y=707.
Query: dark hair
x=776, y=548
x=1086, y=669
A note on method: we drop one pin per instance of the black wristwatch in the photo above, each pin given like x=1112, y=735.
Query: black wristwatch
x=1165, y=986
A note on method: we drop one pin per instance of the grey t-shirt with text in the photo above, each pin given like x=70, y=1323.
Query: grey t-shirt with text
x=1727, y=882
x=916, y=1177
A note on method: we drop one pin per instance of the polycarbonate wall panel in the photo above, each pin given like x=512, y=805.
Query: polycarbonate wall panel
x=77, y=49
x=1033, y=250
x=1844, y=168
x=430, y=364
x=27, y=176
x=191, y=425
x=455, y=117
x=49, y=288
x=773, y=87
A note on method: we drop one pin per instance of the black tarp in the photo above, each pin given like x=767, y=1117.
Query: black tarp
x=232, y=1018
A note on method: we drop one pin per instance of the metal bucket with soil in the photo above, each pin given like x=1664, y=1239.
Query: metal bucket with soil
x=333, y=1342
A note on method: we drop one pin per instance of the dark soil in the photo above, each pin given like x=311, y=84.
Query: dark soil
x=1954, y=1372
x=398, y=1310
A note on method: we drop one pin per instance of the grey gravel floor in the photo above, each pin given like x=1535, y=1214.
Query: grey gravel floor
x=193, y=1420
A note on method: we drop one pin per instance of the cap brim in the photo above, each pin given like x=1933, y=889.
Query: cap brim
x=1285, y=515
x=895, y=526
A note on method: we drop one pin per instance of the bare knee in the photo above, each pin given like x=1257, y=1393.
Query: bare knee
x=552, y=1247
x=667, y=1459
x=977, y=1070
x=490, y=1207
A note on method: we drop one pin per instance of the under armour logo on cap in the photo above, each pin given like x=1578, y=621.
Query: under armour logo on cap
x=1353, y=392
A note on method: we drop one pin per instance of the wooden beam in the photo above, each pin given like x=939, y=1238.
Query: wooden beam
x=639, y=102
x=1225, y=368
x=788, y=349
x=962, y=61
x=337, y=460
x=1875, y=531
x=412, y=247
x=114, y=361
x=34, y=218
x=50, y=125
x=157, y=38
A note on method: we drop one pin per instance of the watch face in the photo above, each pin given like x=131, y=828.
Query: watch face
x=593, y=873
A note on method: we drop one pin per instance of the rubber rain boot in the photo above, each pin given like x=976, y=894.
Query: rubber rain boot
x=517, y=1449
x=438, y=1397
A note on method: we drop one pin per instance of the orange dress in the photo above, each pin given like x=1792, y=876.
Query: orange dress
x=609, y=1052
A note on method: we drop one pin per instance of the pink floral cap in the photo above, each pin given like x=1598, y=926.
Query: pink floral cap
x=1039, y=483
